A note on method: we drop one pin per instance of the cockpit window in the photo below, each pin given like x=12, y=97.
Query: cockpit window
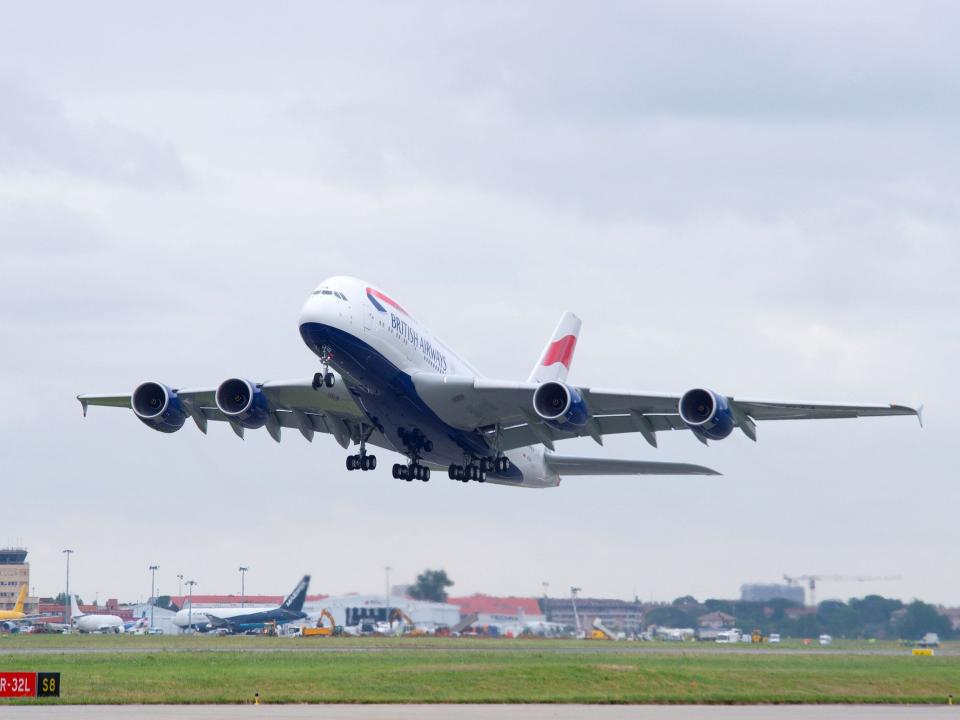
x=335, y=293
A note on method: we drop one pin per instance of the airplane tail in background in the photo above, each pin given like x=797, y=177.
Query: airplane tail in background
x=554, y=363
x=74, y=608
x=295, y=599
x=21, y=598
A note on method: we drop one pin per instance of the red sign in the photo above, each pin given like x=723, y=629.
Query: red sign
x=18, y=684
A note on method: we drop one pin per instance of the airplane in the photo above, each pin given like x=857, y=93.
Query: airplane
x=388, y=382
x=240, y=619
x=10, y=620
x=93, y=623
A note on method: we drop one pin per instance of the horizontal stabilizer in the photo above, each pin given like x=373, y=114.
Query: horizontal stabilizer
x=565, y=465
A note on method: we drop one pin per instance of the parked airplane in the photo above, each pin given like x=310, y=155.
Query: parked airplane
x=390, y=383
x=10, y=620
x=240, y=619
x=91, y=623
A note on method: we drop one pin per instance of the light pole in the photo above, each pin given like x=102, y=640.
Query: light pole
x=387, y=601
x=243, y=573
x=180, y=585
x=573, y=599
x=153, y=584
x=66, y=603
x=190, y=584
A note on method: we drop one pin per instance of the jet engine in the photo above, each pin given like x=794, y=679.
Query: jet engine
x=242, y=401
x=559, y=405
x=158, y=407
x=707, y=413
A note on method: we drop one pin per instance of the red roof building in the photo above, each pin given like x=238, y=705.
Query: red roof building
x=499, y=609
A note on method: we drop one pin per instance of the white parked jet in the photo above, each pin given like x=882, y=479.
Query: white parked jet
x=388, y=382
x=90, y=623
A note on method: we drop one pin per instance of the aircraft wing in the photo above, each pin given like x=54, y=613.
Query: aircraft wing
x=601, y=466
x=292, y=404
x=217, y=622
x=504, y=411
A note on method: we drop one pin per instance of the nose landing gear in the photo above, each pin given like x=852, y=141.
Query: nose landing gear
x=325, y=378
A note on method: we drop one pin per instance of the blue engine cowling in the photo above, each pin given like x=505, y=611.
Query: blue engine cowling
x=707, y=413
x=242, y=401
x=560, y=405
x=158, y=407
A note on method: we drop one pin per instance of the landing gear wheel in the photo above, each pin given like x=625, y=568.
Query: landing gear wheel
x=364, y=463
x=372, y=462
x=317, y=381
x=350, y=459
x=483, y=476
x=452, y=472
x=396, y=471
x=474, y=472
x=425, y=475
x=329, y=380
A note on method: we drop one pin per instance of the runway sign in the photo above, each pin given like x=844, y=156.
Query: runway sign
x=29, y=684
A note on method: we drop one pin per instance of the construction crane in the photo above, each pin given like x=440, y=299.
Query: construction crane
x=812, y=580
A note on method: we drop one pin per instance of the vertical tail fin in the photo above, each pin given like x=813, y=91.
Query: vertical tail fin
x=295, y=599
x=554, y=363
x=74, y=608
x=20, y=599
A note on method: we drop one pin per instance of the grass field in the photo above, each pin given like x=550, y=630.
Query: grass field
x=206, y=670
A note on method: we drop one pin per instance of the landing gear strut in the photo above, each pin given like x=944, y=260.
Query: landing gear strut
x=325, y=378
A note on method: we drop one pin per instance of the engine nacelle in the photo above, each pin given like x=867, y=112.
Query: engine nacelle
x=158, y=407
x=242, y=401
x=707, y=413
x=559, y=405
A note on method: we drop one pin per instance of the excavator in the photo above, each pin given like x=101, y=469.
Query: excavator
x=409, y=627
x=322, y=630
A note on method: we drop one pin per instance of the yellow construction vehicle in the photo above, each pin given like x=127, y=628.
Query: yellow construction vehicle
x=756, y=636
x=600, y=631
x=322, y=630
x=409, y=626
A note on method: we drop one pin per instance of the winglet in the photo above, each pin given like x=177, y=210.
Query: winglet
x=83, y=404
x=920, y=414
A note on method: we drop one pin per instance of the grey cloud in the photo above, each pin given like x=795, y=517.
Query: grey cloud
x=37, y=135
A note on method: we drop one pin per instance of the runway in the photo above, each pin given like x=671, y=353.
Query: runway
x=482, y=712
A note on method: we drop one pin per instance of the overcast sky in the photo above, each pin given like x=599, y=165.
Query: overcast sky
x=758, y=198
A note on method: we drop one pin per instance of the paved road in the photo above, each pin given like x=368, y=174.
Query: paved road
x=482, y=712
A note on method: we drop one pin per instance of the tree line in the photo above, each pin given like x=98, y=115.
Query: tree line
x=873, y=616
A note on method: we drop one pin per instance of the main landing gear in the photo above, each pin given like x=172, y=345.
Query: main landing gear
x=362, y=461
x=325, y=378
x=478, y=469
x=411, y=472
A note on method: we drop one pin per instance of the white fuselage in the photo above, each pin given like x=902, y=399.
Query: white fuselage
x=351, y=307
x=98, y=623
x=198, y=617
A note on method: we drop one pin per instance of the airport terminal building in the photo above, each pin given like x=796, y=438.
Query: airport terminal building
x=14, y=574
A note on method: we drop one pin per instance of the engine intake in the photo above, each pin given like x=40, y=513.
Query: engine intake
x=707, y=413
x=158, y=407
x=241, y=400
x=559, y=404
